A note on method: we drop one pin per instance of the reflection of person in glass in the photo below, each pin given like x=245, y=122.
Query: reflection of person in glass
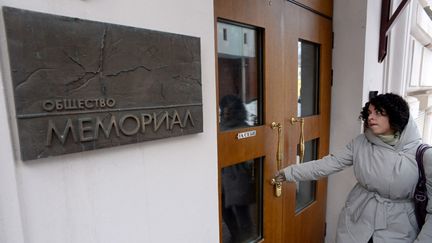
x=233, y=113
x=238, y=184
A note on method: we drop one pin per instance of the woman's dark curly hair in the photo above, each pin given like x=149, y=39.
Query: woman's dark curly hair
x=392, y=105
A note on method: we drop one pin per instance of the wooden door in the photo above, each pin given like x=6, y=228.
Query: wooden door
x=273, y=64
x=310, y=33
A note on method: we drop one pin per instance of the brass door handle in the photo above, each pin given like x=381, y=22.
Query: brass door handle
x=277, y=187
x=279, y=152
x=279, y=157
x=301, y=142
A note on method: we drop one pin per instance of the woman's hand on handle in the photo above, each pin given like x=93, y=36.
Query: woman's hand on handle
x=279, y=176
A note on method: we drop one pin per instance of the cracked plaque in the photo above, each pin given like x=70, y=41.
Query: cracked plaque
x=82, y=85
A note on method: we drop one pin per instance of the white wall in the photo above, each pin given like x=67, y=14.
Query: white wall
x=157, y=191
x=373, y=71
x=349, y=26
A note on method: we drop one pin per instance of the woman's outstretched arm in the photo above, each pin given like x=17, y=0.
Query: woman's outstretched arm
x=316, y=169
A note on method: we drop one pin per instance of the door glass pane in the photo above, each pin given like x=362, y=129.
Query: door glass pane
x=242, y=202
x=308, y=79
x=239, y=74
x=305, y=193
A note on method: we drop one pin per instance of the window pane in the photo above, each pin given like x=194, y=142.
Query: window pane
x=242, y=202
x=239, y=75
x=308, y=79
x=305, y=193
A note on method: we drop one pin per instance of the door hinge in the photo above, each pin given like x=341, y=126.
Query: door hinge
x=325, y=229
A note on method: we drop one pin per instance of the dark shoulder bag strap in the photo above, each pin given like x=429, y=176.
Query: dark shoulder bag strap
x=419, y=158
x=420, y=193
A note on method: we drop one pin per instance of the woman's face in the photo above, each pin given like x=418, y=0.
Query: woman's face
x=378, y=122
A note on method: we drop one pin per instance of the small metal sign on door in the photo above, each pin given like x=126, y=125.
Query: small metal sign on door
x=82, y=85
x=248, y=134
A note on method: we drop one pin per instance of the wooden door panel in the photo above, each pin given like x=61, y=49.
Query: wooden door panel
x=254, y=12
x=308, y=224
x=241, y=149
x=260, y=14
x=322, y=6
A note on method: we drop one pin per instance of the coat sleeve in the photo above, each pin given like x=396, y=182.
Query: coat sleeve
x=315, y=169
x=425, y=235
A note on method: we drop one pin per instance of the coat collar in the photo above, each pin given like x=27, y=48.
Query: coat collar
x=410, y=136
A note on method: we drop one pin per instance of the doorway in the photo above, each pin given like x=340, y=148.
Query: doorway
x=273, y=82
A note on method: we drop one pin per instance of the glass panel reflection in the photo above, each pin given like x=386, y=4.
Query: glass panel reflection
x=239, y=75
x=242, y=202
x=308, y=79
x=305, y=193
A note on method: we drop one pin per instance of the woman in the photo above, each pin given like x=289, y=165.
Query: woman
x=379, y=208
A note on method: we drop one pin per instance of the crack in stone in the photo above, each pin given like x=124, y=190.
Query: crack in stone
x=99, y=70
x=127, y=71
x=31, y=75
x=113, y=50
x=102, y=49
x=116, y=43
x=81, y=85
x=101, y=62
x=81, y=77
x=162, y=92
x=75, y=61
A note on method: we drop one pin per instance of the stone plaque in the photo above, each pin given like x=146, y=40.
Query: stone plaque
x=82, y=85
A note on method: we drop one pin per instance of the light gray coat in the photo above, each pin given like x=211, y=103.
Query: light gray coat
x=380, y=204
